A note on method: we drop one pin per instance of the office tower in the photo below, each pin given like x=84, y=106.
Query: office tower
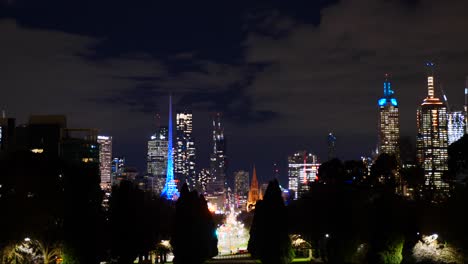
x=389, y=128
x=117, y=169
x=80, y=145
x=185, y=149
x=44, y=134
x=170, y=187
x=218, y=158
x=105, y=159
x=241, y=188
x=432, y=140
x=331, y=141
x=203, y=179
x=302, y=170
x=157, y=158
x=254, y=192
x=456, y=125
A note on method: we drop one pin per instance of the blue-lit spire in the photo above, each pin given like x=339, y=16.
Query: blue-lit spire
x=170, y=189
x=388, y=93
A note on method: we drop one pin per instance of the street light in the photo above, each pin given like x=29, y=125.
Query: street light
x=27, y=239
x=327, y=235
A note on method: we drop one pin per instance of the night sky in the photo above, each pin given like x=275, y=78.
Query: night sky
x=284, y=73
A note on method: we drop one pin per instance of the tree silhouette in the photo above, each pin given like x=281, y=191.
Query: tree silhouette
x=269, y=240
x=194, y=239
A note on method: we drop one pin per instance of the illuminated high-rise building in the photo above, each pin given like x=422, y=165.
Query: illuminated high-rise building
x=170, y=191
x=105, y=159
x=241, y=188
x=302, y=170
x=456, y=125
x=157, y=158
x=218, y=160
x=185, y=150
x=389, y=127
x=117, y=170
x=432, y=140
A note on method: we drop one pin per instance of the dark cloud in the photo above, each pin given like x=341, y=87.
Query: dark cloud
x=284, y=74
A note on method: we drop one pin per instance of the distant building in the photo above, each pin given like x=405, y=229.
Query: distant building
x=432, y=140
x=389, y=125
x=218, y=160
x=203, y=178
x=157, y=159
x=80, y=146
x=105, y=159
x=184, y=158
x=241, y=189
x=44, y=134
x=456, y=125
x=302, y=170
x=254, y=192
x=117, y=170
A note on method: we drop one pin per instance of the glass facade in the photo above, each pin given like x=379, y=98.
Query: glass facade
x=157, y=158
x=302, y=170
x=105, y=159
x=184, y=156
x=456, y=124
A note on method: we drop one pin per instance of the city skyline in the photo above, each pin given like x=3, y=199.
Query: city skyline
x=284, y=76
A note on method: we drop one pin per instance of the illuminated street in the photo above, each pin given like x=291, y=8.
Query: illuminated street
x=232, y=236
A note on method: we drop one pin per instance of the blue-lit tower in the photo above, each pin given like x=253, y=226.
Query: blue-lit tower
x=170, y=188
x=389, y=125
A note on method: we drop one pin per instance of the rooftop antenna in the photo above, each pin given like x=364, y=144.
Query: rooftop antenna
x=445, y=97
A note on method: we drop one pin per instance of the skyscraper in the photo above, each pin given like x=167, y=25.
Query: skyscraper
x=432, y=140
x=302, y=170
x=157, y=158
x=117, y=169
x=105, y=159
x=389, y=127
x=170, y=188
x=185, y=149
x=241, y=188
x=218, y=158
x=456, y=125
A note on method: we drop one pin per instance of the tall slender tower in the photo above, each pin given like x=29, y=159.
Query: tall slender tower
x=105, y=159
x=433, y=140
x=218, y=158
x=389, y=127
x=185, y=149
x=170, y=188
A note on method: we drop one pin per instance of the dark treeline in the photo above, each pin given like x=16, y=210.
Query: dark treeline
x=352, y=215
x=55, y=207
